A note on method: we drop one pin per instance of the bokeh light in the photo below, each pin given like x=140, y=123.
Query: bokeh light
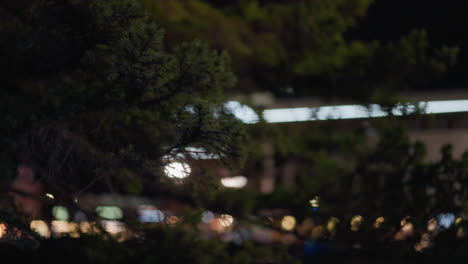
x=379, y=222
x=40, y=227
x=172, y=220
x=207, y=217
x=177, y=170
x=431, y=224
x=332, y=224
x=109, y=212
x=288, y=222
x=3, y=229
x=60, y=213
x=356, y=222
x=113, y=227
x=445, y=220
x=315, y=203
x=149, y=214
x=242, y=112
x=226, y=220
x=234, y=182
x=89, y=228
x=60, y=228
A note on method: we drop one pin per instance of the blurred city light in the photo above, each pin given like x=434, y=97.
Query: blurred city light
x=379, y=222
x=177, y=170
x=315, y=203
x=242, y=112
x=113, y=227
x=288, y=223
x=60, y=228
x=226, y=220
x=40, y=227
x=332, y=224
x=405, y=220
x=149, y=214
x=432, y=224
x=301, y=114
x=60, y=213
x=234, y=182
x=89, y=227
x=50, y=196
x=172, y=220
x=208, y=217
x=109, y=212
x=356, y=222
x=3, y=229
x=445, y=220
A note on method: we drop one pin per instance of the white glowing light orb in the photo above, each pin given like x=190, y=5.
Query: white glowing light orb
x=234, y=182
x=40, y=227
x=288, y=223
x=208, y=217
x=177, y=170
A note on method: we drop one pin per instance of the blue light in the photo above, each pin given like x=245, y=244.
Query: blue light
x=445, y=220
x=150, y=216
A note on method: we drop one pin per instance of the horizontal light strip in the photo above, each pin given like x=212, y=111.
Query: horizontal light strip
x=359, y=111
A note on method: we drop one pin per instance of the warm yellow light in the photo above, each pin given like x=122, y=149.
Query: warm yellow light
x=432, y=224
x=226, y=220
x=40, y=227
x=63, y=227
x=458, y=221
x=3, y=229
x=379, y=222
x=315, y=202
x=89, y=227
x=172, y=220
x=356, y=222
x=332, y=224
x=408, y=228
x=405, y=220
x=288, y=223
x=113, y=227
